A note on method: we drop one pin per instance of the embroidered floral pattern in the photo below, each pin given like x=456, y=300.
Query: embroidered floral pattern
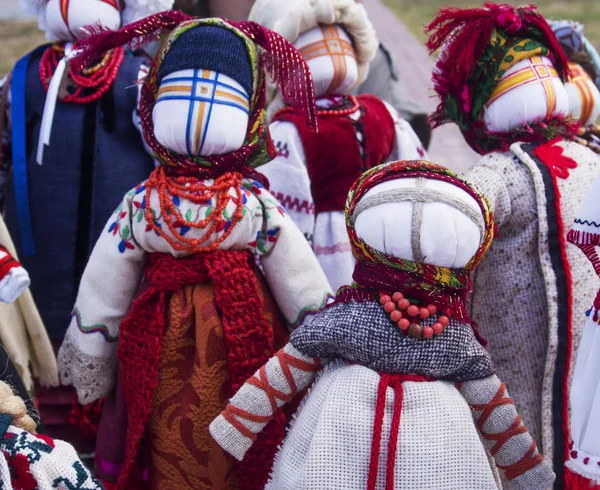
x=121, y=225
x=124, y=230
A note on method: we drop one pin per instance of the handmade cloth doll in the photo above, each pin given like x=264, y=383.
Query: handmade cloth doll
x=314, y=171
x=403, y=382
x=29, y=460
x=203, y=320
x=74, y=149
x=499, y=77
x=22, y=333
x=584, y=455
x=582, y=88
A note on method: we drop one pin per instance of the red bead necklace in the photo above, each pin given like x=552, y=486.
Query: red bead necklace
x=195, y=190
x=407, y=316
x=95, y=80
x=332, y=112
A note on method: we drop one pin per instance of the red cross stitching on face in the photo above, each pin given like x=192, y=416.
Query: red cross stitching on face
x=335, y=47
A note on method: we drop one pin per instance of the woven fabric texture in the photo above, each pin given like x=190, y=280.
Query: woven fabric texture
x=515, y=309
x=345, y=330
x=319, y=454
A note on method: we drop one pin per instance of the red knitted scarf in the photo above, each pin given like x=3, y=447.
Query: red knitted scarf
x=248, y=338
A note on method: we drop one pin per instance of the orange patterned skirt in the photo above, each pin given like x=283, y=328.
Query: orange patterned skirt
x=193, y=388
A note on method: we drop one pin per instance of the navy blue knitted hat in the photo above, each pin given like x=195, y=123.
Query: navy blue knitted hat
x=211, y=48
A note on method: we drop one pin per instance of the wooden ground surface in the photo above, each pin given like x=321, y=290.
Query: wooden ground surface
x=448, y=147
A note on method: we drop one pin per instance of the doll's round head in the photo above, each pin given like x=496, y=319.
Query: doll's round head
x=312, y=25
x=331, y=57
x=419, y=213
x=205, y=83
x=584, y=96
x=529, y=91
x=499, y=75
x=65, y=19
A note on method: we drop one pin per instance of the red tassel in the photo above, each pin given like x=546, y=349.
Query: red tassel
x=86, y=418
x=463, y=34
x=100, y=39
x=575, y=481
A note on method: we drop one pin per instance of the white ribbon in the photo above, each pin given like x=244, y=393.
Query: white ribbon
x=50, y=104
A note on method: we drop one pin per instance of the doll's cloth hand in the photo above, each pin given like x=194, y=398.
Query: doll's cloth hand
x=14, y=279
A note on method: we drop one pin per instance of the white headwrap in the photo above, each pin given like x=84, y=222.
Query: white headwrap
x=428, y=221
x=213, y=121
x=529, y=91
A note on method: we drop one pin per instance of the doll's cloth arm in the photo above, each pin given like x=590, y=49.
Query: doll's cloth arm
x=255, y=403
x=288, y=177
x=291, y=269
x=505, y=435
x=407, y=145
x=87, y=357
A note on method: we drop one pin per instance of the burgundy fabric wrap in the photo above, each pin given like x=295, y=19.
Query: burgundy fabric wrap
x=333, y=155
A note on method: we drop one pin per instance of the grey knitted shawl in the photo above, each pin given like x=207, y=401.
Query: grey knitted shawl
x=364, y=334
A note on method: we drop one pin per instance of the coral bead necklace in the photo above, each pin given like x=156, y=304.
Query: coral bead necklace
x=91, y=83
x=408, y=316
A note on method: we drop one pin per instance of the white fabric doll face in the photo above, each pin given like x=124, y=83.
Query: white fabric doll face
x=211, y=120
x=584, y=96
x=329, y=53
x=529, y=91
x=65, y=18
x=428, y=221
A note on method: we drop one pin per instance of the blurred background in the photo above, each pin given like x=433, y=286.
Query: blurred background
x=19, y=32
x=399, y=24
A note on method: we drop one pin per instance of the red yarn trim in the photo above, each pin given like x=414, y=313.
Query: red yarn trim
x=548, y=155
x=234, y=414
x=395, y=381
x=248, y=338
x=7, y=263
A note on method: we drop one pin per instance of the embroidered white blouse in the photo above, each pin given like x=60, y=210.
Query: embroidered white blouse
x=87, y=358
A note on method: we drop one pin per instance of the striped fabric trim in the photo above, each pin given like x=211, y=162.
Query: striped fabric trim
x=203, y=92
x=64, y=11
x=100, y=328
x=538, y=70
x=333, y=249
x=334, y=46
x=582, y=82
